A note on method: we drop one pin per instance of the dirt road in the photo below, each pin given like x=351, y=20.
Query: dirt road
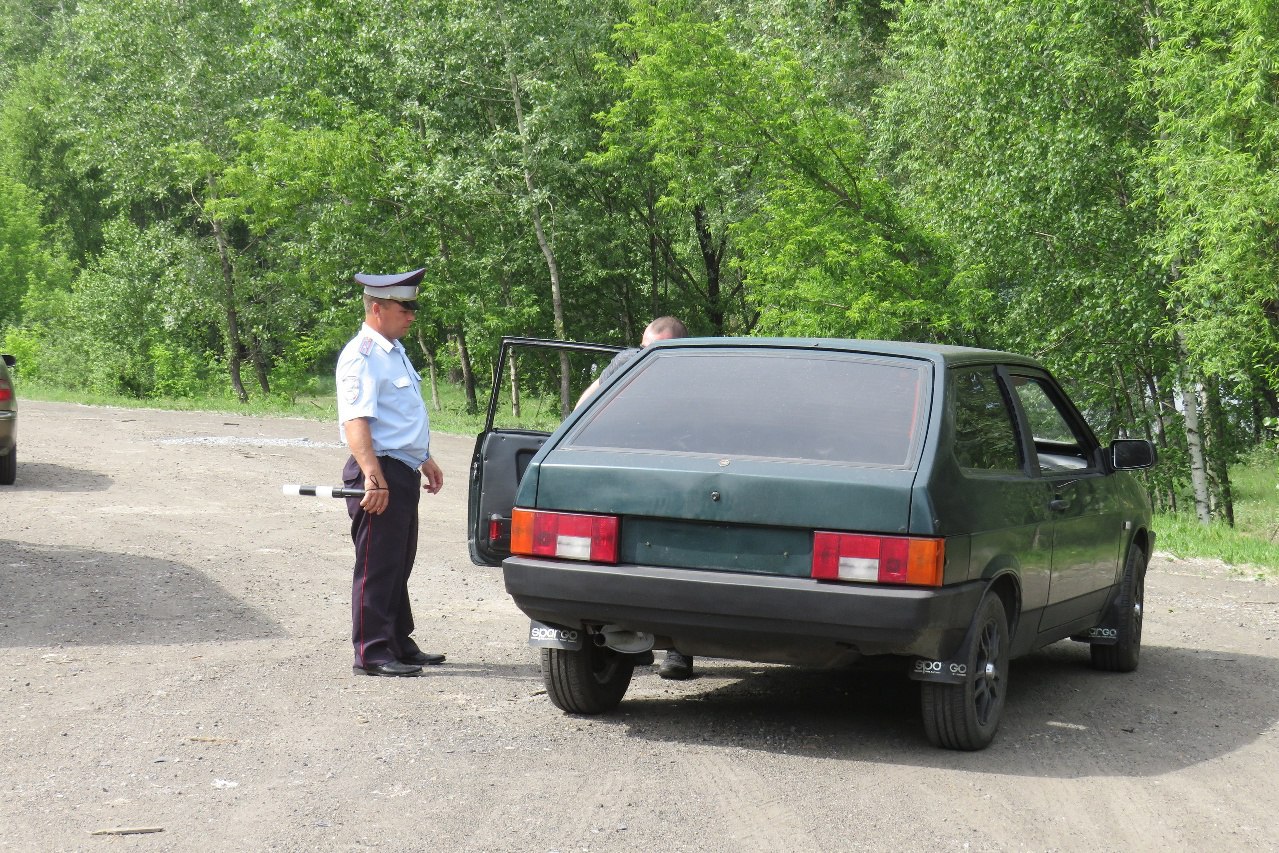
x=175, y=634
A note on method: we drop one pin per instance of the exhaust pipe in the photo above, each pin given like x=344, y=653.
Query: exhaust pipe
x=623, y=640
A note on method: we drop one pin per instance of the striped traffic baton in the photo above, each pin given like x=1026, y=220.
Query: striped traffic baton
x=324, y=491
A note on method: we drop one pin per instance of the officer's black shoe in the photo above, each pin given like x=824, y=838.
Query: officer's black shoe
x=676, y=667
x=421, y=658
x=393, y=667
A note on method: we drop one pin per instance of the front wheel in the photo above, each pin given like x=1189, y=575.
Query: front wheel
x=592, y=680
x=1125, y=653
x=965, y=716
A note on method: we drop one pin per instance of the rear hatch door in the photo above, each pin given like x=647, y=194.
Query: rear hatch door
x=729, y=457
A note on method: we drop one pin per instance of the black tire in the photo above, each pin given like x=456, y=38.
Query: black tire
x=590, y=681
x=9, y=467
x=966, y=716
x=1125, y=654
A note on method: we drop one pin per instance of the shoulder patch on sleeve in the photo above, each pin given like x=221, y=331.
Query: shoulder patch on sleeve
x=351, y=389
x=366, y=345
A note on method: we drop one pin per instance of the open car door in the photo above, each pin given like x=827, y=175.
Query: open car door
x=524, y=409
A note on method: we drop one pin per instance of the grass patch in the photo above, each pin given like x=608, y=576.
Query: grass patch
x=317, y=405
x=1253, y=543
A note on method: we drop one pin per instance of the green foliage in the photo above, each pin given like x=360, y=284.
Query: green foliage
x=294, y=372
x=742, y=136
x=1252, y=545
x=27, y=257
x=1009, y=127
x=1182, y=535
x=22, y=345
x=151, y=78
x=130, y=322
x=176, y=372
x=1213, y=156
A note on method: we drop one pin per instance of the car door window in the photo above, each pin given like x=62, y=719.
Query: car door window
x=525, y=405
x=1059, y=446
x=985, y=434
x=527, y=395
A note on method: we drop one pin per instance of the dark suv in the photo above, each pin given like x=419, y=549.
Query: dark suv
x=8, y=424
x=816, y=502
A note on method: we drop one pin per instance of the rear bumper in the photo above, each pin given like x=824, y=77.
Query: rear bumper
x=747, y=616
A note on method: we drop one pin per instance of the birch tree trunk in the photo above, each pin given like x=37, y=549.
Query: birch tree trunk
x=515, y=390
x=233, y=344
x=1161, y=403
x=258, y=357
x=548, y=251
x=1194, y=443
x=712, y=258
x=430, y=364
x=468, y=375
x=1217, y=454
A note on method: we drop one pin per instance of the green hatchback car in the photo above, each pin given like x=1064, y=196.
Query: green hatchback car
x=826, y=503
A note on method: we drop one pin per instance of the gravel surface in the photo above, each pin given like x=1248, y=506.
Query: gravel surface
x=176, y=640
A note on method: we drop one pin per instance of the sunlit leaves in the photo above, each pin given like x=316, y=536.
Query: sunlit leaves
x=736, y=125
x=28, y=258
x=1212, y=78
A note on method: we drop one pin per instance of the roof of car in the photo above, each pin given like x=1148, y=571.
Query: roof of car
x=939, y=353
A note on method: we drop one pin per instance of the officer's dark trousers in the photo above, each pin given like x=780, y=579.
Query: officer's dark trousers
x=385, y=546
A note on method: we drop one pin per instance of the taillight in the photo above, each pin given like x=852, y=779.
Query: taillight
x=565, y=535
x=878, y=559
x=6, y=392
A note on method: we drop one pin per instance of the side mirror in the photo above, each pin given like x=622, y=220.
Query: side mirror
x=1131, y=454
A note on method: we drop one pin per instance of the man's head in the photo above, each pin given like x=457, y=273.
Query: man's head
x=388, y=317
x=390, y=301
x=663, y=329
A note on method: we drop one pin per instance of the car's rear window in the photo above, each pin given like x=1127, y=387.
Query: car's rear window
x=781, y=404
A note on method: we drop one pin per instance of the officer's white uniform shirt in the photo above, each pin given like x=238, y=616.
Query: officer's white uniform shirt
x=376, y=380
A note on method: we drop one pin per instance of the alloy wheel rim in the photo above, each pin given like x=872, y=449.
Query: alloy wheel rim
x=988, y=687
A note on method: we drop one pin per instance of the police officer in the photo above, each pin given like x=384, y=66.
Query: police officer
x=383, y=421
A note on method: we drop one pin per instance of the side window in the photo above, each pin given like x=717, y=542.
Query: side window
x=1057, y=446
x=985, y=438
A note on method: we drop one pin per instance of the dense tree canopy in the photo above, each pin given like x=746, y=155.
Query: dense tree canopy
x=1090, y=182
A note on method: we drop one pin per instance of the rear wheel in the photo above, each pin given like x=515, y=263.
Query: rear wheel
x=9, y=467
x=1124, y=654
x=966, y=716
x=591, y=680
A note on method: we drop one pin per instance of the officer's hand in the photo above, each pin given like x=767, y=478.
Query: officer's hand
x=376, y=497
x=434, y=476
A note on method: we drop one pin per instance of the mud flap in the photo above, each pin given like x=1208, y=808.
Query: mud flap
x=939, y=671
x=542, y=635
x=1105, y=634
x=953, y=671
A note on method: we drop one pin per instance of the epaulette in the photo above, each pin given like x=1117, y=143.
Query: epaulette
x=366, y=345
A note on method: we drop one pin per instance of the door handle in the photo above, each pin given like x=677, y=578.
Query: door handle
x=1059, y=505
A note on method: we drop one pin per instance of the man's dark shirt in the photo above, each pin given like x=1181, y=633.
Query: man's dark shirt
x=619, y=361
